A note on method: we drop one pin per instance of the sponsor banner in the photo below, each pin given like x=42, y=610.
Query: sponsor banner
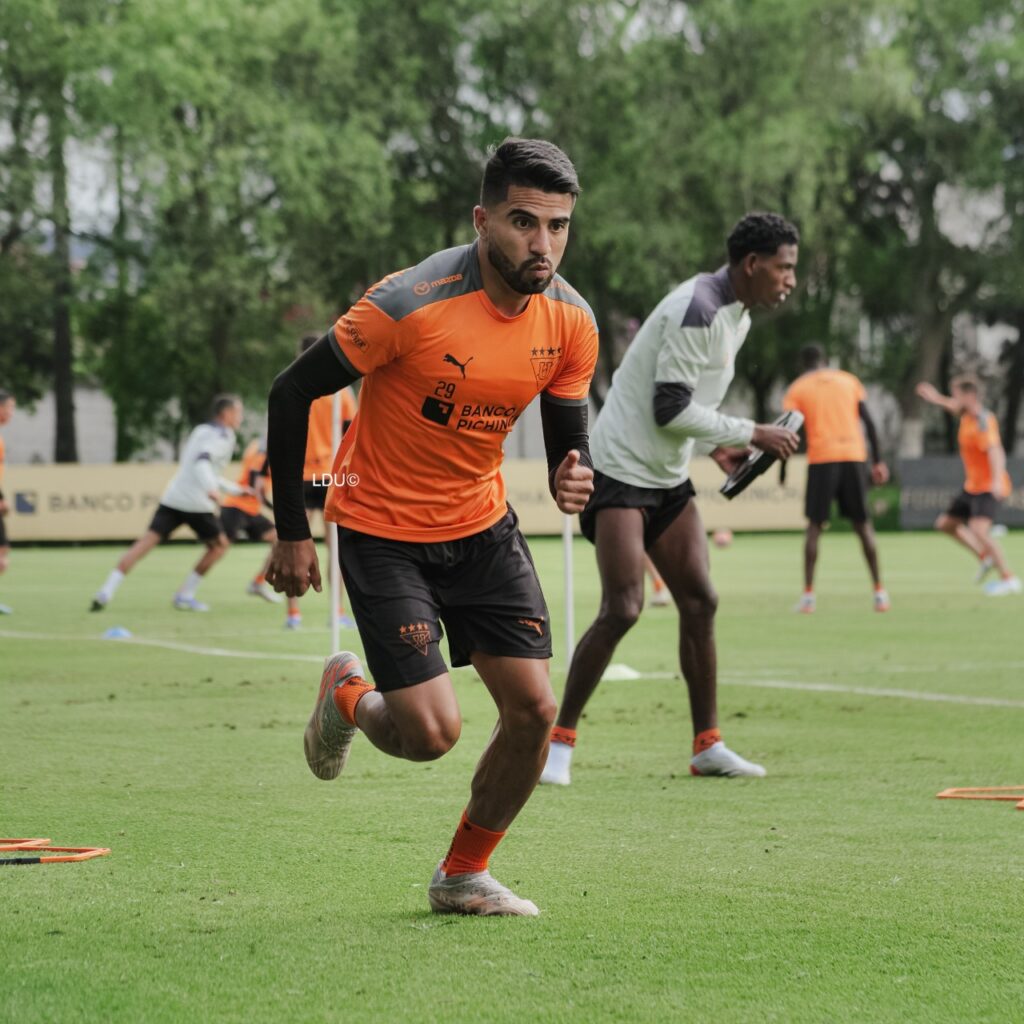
x=928, y=485
x=116, y=502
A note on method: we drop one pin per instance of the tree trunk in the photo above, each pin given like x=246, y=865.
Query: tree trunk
x=1014, y=386
x=66, y=445
x=933, y=339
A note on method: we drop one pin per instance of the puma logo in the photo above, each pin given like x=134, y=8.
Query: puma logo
x=455, y=362
x=536, y=624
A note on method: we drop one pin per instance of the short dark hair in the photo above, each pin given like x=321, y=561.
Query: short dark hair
x=5, y=396
x=308, y=342
x=966, y=382
x=811, y=356
x=222, y=402
x=761, y=233
x=529, y=163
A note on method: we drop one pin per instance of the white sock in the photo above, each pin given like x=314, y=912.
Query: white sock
x=559, y=757
x=107, y=591
x=189, y=587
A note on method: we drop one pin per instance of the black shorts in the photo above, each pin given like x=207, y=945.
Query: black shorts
x=205, y=525
x=973, y=506
x=313, y=495
x=484, y=588
x=236, y=522
x=3, y=533
x=843, y=482
x=659, y=505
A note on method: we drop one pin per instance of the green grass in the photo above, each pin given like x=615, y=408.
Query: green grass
x=241, y=889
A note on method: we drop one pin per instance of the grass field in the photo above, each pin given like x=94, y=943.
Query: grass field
x=242, y=889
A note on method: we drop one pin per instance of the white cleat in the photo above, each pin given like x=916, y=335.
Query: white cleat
x=327, y=738
x=882, y=602
x=189, y=604
x=661, y=598
x=806, y=605
x=264, y=590
x=1003, y=588
x=556, y=771
x=985, y=566
x=476, y=893
x=718, y=759
x=6, y=609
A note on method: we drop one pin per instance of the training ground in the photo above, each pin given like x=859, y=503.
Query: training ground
x=240, y=888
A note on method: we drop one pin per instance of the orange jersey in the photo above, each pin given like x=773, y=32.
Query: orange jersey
x=446, y=375
x=977, y=435
x=3, y=453
x=254, y=459
x=320, y=439
x=829, y=401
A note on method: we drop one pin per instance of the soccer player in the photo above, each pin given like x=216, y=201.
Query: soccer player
x=7, y=404
x=968, y=520
x=663, y=400
x=190, y=498
x=833, y=407
x=317, y=467
x=243, y=514
x=450, y=352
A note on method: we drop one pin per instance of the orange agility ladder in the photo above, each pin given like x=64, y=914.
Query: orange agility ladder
x=1013, y=793
x=43, y=850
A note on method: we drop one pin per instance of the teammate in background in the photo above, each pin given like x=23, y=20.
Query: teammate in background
x=317, y=468
x=190, y=498
x=969, y=518
x=7, y=404
x=833, y=407
x=663, y=400
x=451, y=352
x=243, y=514
x=660, y=597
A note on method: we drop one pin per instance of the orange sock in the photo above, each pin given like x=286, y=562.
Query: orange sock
x=566, y=736
x=705, y=739
x=348, y=696
x=260, y=580
x=471, y=848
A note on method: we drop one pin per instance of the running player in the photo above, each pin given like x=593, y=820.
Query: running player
x=451, y=352
x=833, y=404
x=968, y=520
x=190, y=499
x=243, y=514
x=6, y=412
x=317, y=468
x=663, y=400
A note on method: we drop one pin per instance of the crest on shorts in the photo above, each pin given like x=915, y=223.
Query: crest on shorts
x=416, y=634
x=543, y=360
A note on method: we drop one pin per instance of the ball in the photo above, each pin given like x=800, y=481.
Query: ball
x=721, y=538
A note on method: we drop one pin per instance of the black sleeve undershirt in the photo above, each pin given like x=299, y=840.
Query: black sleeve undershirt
x=321, y=370
x=869, y=429
x=565, y=428
x=670, y=400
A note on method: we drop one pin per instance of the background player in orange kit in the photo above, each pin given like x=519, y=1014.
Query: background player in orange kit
x=833, y=404
x=968, y=520
x=317, y=467
x=451, y=352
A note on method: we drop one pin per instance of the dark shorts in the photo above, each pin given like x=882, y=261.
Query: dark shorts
x=973, y=506
x=843, y=482
x=205, y=525
x=315, y=497
x=236, y=522
x=3, y=533
x=484, y=588
x=660, y=506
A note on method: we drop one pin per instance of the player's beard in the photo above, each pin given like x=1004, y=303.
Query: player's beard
x=516, y=277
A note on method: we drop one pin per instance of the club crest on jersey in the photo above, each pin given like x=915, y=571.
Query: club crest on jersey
x=543, y=360
x=416, y=634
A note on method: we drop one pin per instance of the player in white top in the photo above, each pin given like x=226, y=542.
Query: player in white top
x=191, y=498
x=662, y=404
